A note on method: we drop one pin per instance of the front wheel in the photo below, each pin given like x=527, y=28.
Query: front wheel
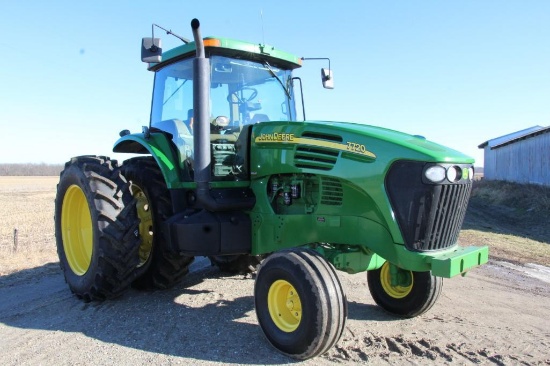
x=300, y=303
x=403, y=293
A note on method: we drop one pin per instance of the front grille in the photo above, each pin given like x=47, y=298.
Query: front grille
x=445, y=218
x=430, y=216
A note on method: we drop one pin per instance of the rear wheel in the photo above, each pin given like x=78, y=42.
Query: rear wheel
x=300, y=303
x=95, y=228
x=403, y=293
x=158, y=267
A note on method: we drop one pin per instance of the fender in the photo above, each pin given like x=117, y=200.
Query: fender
x=158, y=146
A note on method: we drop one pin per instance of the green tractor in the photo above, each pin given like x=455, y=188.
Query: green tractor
x=228, y=172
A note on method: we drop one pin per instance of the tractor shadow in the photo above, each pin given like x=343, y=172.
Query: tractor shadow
x=210, y=316
x=191, y=320
x=368, y=312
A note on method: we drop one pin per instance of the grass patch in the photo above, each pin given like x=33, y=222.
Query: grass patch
x=523, y=198
x=512, y=219
x=509, y=248
x=27, y=229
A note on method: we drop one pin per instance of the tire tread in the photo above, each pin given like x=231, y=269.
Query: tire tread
x=116, y=246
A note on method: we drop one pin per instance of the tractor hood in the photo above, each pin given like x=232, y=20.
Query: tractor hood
x=326, y=145
x=416, y=143
x=359, y=159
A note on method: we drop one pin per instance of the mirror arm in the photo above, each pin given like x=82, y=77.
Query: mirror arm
x=326, y=74
x=318, y=58
x=301, y=96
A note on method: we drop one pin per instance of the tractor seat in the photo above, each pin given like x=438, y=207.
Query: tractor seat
x=259, y=117
x=173, y=126
x=228, y=138
x=181, y=136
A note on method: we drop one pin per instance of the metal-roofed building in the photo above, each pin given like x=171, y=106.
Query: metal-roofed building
x=522, y=156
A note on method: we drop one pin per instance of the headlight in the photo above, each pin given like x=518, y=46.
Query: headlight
x=435, y=173
x=445, y=173
x=454, y=173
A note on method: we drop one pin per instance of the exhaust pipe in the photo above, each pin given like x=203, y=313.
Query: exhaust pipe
x=201, y=105
x=201, y=127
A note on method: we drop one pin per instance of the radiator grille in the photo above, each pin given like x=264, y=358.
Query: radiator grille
x=445, y=217
x=430, y=216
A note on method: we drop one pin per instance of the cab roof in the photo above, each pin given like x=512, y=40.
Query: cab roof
x=231, y=48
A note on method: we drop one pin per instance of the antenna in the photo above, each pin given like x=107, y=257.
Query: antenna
x=168, y=31
x=262, y=20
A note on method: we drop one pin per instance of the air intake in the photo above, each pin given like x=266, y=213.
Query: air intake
x=316, y=155
x=332, y=193
x=315, y=158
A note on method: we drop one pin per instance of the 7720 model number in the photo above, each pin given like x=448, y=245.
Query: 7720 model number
x=355, y=147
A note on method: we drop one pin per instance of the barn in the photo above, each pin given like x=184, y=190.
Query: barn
x=522, y=156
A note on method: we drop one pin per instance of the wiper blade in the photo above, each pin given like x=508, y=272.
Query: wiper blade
x=175, y=91
x=278, y=79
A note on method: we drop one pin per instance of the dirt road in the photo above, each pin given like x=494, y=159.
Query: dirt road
x=498, y=315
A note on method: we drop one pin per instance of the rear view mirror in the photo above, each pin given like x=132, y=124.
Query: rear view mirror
x=326, y=77
x=223, y=67
x=151, y=50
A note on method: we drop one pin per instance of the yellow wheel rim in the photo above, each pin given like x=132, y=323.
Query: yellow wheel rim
x=145, y=225
x=76, y=230
x=284, y=306
x=398, y=291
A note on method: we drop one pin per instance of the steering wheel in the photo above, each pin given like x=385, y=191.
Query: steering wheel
x=234, y=97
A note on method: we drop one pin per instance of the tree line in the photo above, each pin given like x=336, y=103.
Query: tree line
x=30, y=169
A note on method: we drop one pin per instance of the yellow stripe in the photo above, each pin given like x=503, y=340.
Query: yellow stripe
x=349, y=147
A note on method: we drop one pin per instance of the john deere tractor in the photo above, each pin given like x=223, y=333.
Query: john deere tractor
x=230, y=172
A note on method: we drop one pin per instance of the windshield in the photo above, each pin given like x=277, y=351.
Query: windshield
x=249, y=92
x=245, y=92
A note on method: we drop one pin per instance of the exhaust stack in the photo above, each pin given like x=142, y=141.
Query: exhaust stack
x=201, y=106
x=201, y=141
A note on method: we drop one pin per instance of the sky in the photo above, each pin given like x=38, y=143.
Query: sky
x=457, y=72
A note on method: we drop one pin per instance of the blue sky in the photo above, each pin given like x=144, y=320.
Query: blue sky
x=457, y=72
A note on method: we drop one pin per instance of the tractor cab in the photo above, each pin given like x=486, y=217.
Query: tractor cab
x=245, y=88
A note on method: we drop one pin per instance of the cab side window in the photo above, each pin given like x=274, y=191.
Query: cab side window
x=172, y=109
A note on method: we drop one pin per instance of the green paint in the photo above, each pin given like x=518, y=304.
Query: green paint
x=163, y=158
x=459, y=261
x=158, y=146
x=350, y=259
x=465, y=173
